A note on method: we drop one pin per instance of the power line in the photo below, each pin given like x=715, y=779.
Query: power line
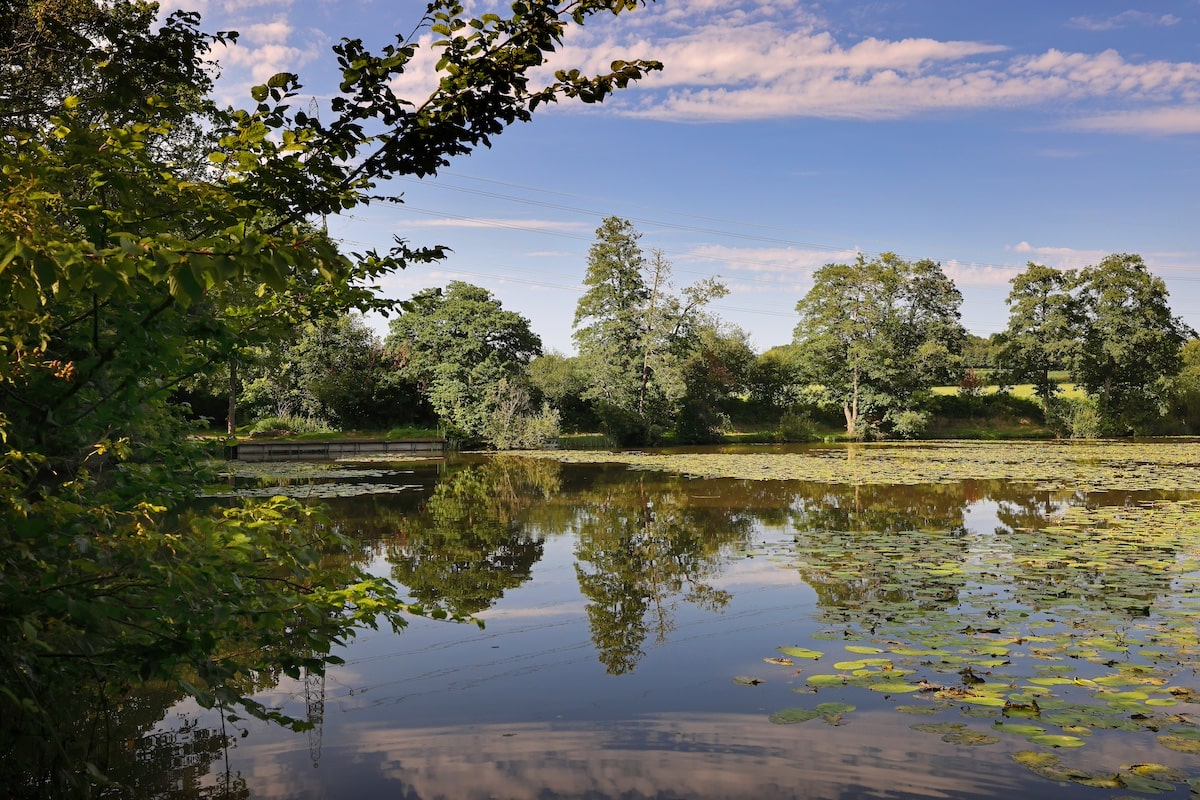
x=676, y=226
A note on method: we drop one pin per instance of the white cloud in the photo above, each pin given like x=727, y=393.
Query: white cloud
x=783, y=263
x=981, y=275
x=753, y=62
x=1059, y=257
x=1058, y=153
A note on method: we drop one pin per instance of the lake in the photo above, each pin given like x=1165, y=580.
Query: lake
x=974, y=621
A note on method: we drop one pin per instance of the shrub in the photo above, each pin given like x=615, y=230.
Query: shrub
x=909, y=424
x=1076, y=418
x=796, y=426
x=290, y=424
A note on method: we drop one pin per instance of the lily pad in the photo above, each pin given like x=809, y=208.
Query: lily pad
x=1056, y=740
x=801, y=652
x=792, y=716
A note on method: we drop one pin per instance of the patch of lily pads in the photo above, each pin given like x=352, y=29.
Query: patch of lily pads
x=306, y=480
x=1085, y=466
x=1053, y=634
x=322, y=491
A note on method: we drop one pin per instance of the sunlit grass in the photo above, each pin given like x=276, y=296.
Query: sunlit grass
x=1024, y=390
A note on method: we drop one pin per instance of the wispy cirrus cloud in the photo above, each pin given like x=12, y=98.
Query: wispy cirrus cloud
x=1161, y=121
x=1060, y=257
x=1124, y=20
x=515, y=224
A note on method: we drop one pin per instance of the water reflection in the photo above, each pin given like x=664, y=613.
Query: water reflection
x=856, y=546
x=467, y=544
x=590, y=572
x=643, y=546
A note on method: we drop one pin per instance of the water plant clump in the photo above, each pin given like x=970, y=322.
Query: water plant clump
x=1080, y=466
x=1080, y=629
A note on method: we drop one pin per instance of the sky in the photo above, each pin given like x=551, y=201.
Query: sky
x=781, y=136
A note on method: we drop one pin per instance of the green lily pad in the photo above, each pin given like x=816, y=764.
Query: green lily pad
x=826, y=680
x=1055, y=740
x=801, y=652
x=835, y=708
x=1019, y=729
x=792, y=716
x=1179, y=743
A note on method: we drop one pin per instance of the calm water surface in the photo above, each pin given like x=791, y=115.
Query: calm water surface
x=619, y=608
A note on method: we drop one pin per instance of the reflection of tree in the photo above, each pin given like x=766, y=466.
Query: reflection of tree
x=1097, y=561
x=1019, y=507
x=113, y=728
x=642, y=547
x=468, y=544
x=873, y=551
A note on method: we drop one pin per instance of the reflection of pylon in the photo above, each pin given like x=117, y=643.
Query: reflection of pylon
x=314, y=705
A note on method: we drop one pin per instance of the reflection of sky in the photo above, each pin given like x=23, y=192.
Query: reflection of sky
x=735, y=756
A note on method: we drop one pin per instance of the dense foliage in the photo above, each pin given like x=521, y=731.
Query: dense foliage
x=146, y=236
x=468, y=355
x=1111, y=327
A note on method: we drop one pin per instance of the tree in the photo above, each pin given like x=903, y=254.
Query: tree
x=145, y=236
x=464, y=351
x=980, y=352
x=1043, y=329
x=1185, y=396
x=332, y=370
x=874, y=334
x=1130, y=341
x=633, y=333
x=715, y=372
x=560, y=381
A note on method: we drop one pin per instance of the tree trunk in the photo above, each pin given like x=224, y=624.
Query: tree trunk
x=648, y=344
x=850, y=408
x=231, y=416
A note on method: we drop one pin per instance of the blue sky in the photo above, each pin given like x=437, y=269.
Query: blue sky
x=784, y=135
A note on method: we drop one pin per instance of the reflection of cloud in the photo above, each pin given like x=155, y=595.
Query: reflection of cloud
x=874, y=755
x=577, y=609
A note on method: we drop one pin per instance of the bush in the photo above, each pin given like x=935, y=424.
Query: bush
x=289, y=425
x=796, y=426
x=512, y=425
x=909, y=424
x=1076, y=418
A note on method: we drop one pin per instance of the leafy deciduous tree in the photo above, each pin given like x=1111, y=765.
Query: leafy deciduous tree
x=144, y=235
x=634, y=334
x=1043, y=329
x=875, y=333
x=462, y=349
x=1130, y=341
